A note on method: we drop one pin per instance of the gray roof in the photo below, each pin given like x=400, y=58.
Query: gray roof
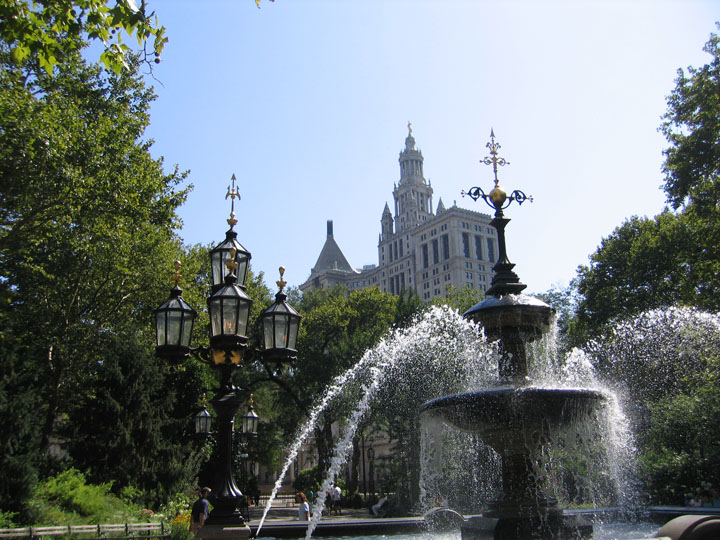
x=331, y=257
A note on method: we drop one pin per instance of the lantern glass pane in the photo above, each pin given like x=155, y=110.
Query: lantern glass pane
x=215, y=317
x=217, y=268
x=229, y=316
x=160, y=328
x=173, y=327
x=293, y=332
x=281, y=327
x=243, y=315
x=187, y=329
x=268, y=332
x=242, y=262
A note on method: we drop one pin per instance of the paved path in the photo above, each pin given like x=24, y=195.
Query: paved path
x=282, y=522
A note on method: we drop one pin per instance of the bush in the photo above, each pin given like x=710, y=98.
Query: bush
x=180, y=529
x=67, y=499
x=307, y=480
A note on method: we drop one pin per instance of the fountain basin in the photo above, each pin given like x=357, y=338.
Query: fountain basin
x=512, y=420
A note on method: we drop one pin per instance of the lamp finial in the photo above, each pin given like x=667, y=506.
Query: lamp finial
x=176, y=277
x=281, y=282
x=232, y=193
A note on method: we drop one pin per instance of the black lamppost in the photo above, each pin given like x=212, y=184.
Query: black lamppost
x=371, y=459
x=229, y=310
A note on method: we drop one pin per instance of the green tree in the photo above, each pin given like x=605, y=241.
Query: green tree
x=691, y=125
x=460, y=299
x=87, y=219
x=642, y=265
x=49, y=31
x=681, y=443
x=674, y=257
x=337, y=328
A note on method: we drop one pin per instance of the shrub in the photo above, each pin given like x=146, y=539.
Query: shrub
x=67, y=499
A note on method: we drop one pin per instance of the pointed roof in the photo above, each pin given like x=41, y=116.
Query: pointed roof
x=440, y=206
x=331, y=256
x=386, y=211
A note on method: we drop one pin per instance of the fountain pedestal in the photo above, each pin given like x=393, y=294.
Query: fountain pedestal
x=517, y=421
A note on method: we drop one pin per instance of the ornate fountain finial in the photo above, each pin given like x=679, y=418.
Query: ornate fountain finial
x=497, y=198
x=232, y=193
x=281, y=282
x=505, y=281
x=176, y=277
x=493, y=158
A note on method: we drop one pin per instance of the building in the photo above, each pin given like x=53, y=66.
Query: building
x=418, y=249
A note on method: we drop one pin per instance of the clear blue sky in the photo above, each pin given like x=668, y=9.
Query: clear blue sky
x=307, y=102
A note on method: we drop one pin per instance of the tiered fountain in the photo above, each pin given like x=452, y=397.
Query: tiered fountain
x=514, y=419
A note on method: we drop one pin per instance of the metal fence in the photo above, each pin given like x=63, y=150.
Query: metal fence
x=114, y=531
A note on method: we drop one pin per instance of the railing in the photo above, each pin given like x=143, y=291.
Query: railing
x=114, y=531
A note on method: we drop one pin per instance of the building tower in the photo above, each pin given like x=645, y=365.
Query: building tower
x=413, y=195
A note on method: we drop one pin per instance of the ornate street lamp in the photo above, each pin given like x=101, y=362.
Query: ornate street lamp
x=229, y=311
x=280, y=325
x=250, y=421
x=221, y=254
x=203, y=421
x=174, y=323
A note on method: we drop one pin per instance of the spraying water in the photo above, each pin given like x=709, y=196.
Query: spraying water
x=443, y=349
x=442, y=353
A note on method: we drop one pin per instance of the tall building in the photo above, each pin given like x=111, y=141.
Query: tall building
x=418, y=249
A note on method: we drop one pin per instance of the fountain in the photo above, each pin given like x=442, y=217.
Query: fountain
x=515, y=419
x=444, y=354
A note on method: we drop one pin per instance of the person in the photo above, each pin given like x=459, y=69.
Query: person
x=304, y=508
x=200, y=510
x=336, y=496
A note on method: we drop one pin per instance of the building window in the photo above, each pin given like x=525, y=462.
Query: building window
x=445, y=247
x=491, y=250
x=466, y=245
x=425, y=255
x=401, y=248
x=436, y=254
x=478, y=247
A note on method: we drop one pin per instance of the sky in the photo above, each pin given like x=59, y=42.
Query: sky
x=307, y=103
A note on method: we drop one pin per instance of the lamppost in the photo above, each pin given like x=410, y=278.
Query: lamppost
x=371, y=459
x=229, y=311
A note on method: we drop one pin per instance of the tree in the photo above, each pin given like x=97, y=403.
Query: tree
x=50, y=31
x=674, y=257
x=87, y=219
x=642, y=265
x=338, y=326
x=691, y=125
x=681, y=443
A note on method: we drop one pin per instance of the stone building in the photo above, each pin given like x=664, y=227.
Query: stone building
x=418, y=249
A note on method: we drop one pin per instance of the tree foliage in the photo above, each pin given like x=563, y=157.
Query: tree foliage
x=691, y=125
x=87, y=219
x=675, y=256
x=50, y=31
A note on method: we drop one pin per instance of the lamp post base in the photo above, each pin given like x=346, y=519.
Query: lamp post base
x=223, y=532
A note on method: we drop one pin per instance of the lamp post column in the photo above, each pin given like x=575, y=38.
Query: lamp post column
x=225, y=496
